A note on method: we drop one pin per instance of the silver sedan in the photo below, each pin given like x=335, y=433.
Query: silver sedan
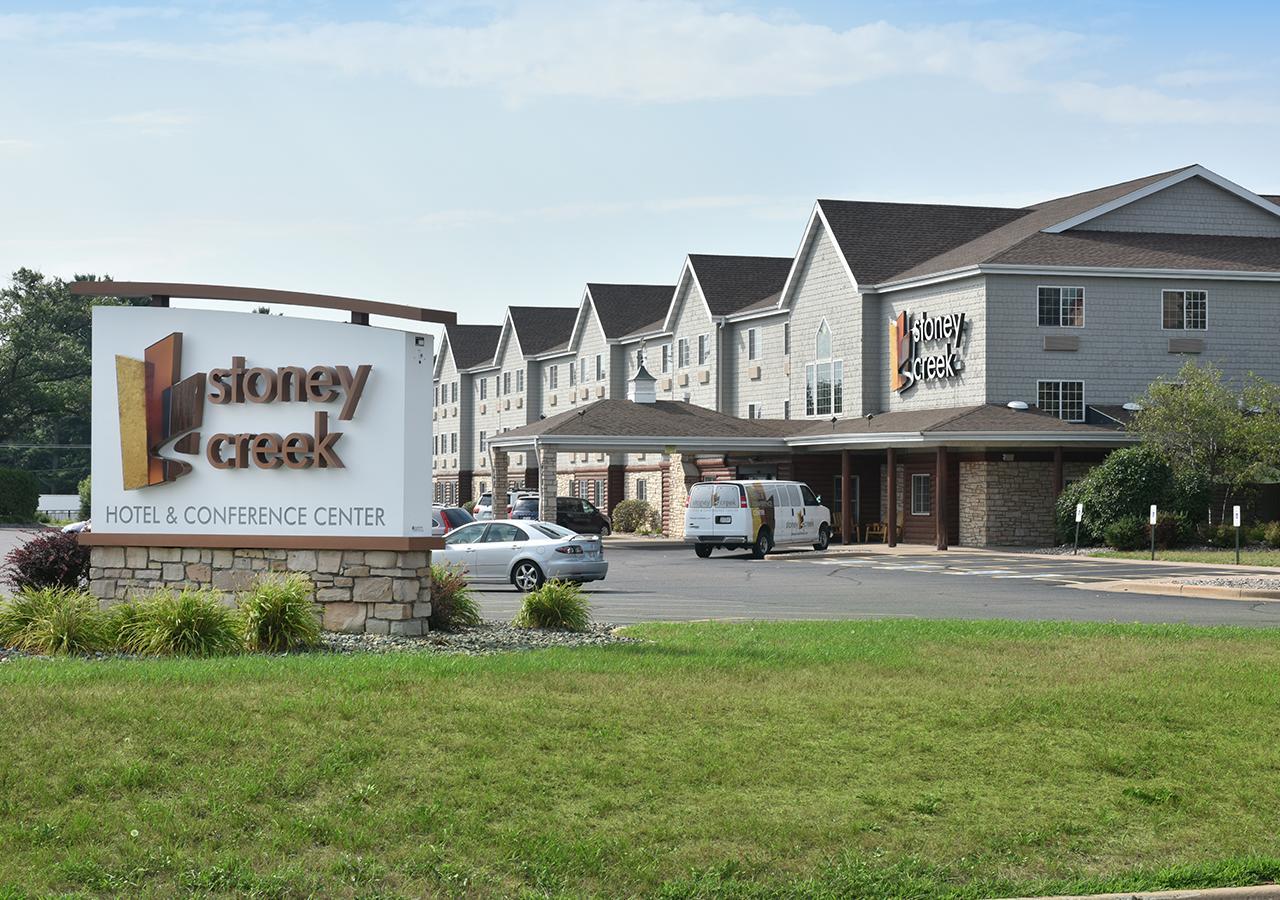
x=523, y=553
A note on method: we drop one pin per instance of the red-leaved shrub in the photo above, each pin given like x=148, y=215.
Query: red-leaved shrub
x=50, y=559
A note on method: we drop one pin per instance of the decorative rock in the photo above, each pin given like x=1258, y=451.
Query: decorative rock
x=377, y=626
x=404, y=590
x=356, y=571
x=232, y=579
x=383, y=559
x=135, y=557
x=333, y=595
x=302, y=560
x=190, y=554
x=412, y=627
x=173, y=571
x=411, y=559
x=328, y=560
x=347, y=617
x=222, y=559
x=392, y=610
x=200, y=573
x=422, y=610
x=109, y=557
x=372, y=590
x=166, y=554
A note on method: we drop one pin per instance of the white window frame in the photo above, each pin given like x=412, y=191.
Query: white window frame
x=704, y=349
x=753, y=343
x=1060, y=288
x=786, y=338
x=484, y=445
x=926, y=479
x=786, y=409
x=519, y=381
x=666, y=358
x=1060, y=382
x=599, y=367
x=1184, y=292
x=553, y=377
x=835, y=398
x=753, y=410
x=506, y=383
x=642, y=489
x=582, y=369
x=573, y=374
x=682, y=353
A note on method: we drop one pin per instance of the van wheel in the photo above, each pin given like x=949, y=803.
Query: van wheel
x=526, y=576
x=703, y=550
x=824, y=538
x=763, y=544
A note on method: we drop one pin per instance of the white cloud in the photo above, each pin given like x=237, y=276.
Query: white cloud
x=78, y=23
x=1191, y=78
x=1131, y=105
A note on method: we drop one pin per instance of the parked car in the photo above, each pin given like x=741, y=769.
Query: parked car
x=524, y=553
x=446, y=518
x=484, y=506
x=573, y=513
x=77, y=527
x=756, y=514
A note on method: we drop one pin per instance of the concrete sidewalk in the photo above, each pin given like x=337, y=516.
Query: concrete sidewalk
x=1257, y=892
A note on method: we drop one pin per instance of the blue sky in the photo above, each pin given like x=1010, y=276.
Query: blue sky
x=469, y=156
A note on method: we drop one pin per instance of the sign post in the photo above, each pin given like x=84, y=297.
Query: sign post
x=1153, y=532
x=1235, y=519
x=1079, y=515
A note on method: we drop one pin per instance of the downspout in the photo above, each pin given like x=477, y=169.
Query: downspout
x=719, y=364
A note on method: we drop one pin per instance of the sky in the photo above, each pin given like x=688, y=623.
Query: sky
x=469, y=156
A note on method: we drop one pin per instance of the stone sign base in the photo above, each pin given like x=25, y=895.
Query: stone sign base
x=375, y=591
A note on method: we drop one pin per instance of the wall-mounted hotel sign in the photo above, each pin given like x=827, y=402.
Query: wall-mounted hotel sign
x=230, y=423
x=911, y=338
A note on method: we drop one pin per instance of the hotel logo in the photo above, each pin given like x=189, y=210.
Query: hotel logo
x=908, y=332
x=157, y=406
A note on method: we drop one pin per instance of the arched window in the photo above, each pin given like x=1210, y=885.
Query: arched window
x=824, y=378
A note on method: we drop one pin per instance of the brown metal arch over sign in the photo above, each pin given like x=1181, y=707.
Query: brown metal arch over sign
x=160, y=292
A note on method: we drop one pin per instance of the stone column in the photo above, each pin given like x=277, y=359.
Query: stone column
x=547, y=483
x=500, y=462
x=678, y=491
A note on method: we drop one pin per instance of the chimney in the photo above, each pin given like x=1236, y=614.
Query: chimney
x=644, y=387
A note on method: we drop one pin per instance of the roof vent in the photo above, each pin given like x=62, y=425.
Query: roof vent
x=1132, y=407
x=644, y=387
x=1018, y=404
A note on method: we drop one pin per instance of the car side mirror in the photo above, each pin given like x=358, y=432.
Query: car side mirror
x=819, y=499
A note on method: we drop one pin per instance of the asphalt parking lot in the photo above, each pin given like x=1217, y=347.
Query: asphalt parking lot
x=663, y=580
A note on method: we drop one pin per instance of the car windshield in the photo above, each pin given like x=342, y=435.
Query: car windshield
x=554, y=531
x=459, y=516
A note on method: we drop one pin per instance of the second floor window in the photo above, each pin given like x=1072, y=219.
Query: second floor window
x=1062, y=306
x=704, y=349
x=1064, y=399
x=666, y=358
x=1187, y=310
x=824, y=378
x=682, y=353
x=453, y=442
x=484, y=442
x=483, y=384
x=573, y=374
x=786, y=338
x=582, y=370
x=753, y=410
x=753, y=342
x=506, y=382
x=553, y=377
x=519, y=380
x=599, y=367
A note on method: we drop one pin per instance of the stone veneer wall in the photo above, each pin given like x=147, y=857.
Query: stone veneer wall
x=1010, y=503
x=375, y=591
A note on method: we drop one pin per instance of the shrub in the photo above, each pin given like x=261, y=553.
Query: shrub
x=1220, y=535
x=85, y=489
x=557, y=604
x=277, y=614
x=1129, y=533
x=19, y=496
x=190, y=623
x=49, y=559
x=1124, y=485
x=54, y=620
x=1272, y=534
x=631, y=516
x=452, y=605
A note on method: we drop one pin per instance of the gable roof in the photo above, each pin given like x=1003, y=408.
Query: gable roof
x=732, y=284
x=1145, y=250
x=472, y=345
x=981, y=417
x=624, y=309
x=617, y=417
x=542, y=328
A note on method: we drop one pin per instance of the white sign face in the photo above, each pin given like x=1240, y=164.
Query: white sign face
x=1153, y=514
x=1235, y=516
x=1079, y=511
x=228, y=423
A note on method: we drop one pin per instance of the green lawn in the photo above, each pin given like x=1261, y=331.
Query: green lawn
x=1217, y=557
x=893, y=758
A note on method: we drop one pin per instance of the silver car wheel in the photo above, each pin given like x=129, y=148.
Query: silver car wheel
x=527, y=576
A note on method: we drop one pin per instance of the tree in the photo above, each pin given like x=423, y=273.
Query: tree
x=1209, y=433
x=45, y=346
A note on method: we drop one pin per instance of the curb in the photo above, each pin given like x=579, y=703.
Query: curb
x=1177, y=588
x=925, y=550
x=1256, y=892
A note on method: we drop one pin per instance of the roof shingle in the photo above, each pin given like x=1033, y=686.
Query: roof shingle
x=626, y=308
x=542, y=328
x=732, y=284
x=472, y=345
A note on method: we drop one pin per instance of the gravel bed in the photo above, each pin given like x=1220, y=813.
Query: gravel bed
x=488, y=637
x=1257, y=581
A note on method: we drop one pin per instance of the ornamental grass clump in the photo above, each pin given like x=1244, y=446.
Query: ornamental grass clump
x=452, y=604
x=54, y=620
x=278, y=615
x=187, y=623
x=559, y=605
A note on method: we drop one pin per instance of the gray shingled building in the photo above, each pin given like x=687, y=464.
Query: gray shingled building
x=967, y=361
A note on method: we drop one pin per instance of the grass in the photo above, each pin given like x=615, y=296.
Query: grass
x=888, y=758
x=1217, y=557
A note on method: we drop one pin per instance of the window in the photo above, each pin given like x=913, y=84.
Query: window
x=1186, y=310
x=453, y=442
x=753, y=410
x=506, y=382
x=824, y=378
x=599, y=367
x=455, y=392
x=1062, y=306
x=437, y=396
x=582, y=367
x=786, y=338
x=921, y=495
x=682, y=355
x=786, y=409
x=504, y=533
x=520, y=381
x=553, y=377
x=753, y=342
x=704, y=351
x=666, y=358
x=573, y=374
x=468, y=534
x=1064, y=399
x=483, y=442
x=484, y=387
x=807, y=495
x=642, y=489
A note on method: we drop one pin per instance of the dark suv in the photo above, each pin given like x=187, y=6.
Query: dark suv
x=573, y=513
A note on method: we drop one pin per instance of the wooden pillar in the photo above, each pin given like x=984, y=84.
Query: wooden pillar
x=940, y=499
x=891, y=519
x=846, y=497
x=1057, y=472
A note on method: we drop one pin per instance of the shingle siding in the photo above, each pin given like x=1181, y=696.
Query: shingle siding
x=1194, y=206
x=968, y=297
x=691, y=320
x=772, y=387
x=823, y=290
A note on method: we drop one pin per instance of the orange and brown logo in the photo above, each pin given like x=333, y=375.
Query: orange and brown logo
x=157, y=406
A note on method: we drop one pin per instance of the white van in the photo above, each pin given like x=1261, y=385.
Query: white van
x=756, y=514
